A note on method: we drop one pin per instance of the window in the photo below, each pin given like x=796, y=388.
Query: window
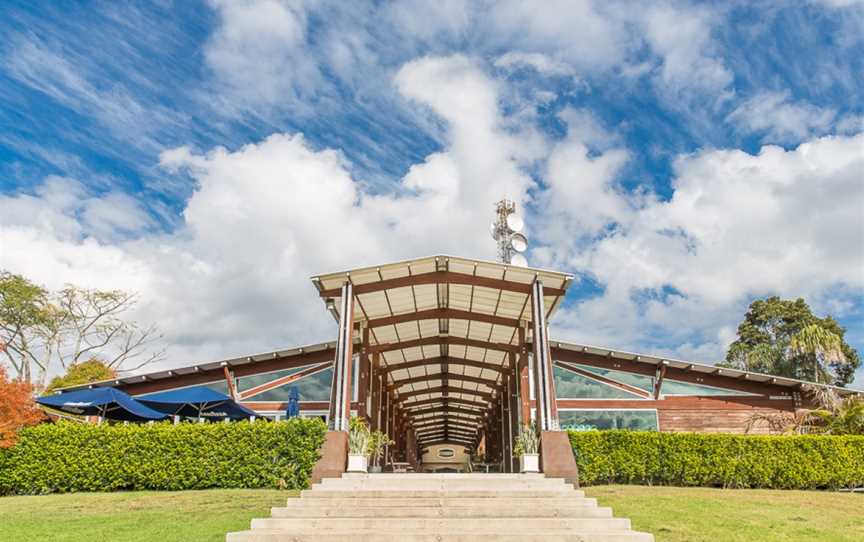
x=585, y=420
x=311, y=388
x=670, y=387
x=248, y=382
x=569, y=385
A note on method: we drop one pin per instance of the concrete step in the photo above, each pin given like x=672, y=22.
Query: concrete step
x=431, y=526
x=267, y=535
x=273, y=535
x=319, y=493
x=450, y=502
x=490, y=481
x=437, y=486
x=504, y=510
x=441, y=476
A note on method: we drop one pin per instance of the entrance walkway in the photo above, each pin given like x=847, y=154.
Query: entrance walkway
x=441, y=507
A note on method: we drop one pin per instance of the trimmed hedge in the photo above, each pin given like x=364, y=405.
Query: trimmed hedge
x=75, y=457
x=719, y=460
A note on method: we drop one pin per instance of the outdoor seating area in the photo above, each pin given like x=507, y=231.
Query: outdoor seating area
x=108, y=403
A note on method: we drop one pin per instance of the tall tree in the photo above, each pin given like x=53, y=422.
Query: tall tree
x=43, y=332
x=28, y=325
x=784, y=338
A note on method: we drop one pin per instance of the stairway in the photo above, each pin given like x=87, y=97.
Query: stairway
x=441, y=507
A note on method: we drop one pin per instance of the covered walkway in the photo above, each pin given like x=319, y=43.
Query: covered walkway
x=443, y=345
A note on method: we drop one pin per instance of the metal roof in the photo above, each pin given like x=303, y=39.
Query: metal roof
x=695, y=367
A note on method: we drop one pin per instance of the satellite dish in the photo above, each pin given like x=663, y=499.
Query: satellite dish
x=518, y=260
x=514, y=222
x=519, y=242
x=493, y=230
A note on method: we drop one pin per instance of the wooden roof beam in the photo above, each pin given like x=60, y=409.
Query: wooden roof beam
x=443, y=340
x=449, y=390
x=439, y=376
x=443, y=359
x=438, y=314
x=449, y=409
x=450, y=400
x=441, y=277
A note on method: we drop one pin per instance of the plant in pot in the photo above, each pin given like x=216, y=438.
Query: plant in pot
x=528, y=448
x=358, y=444
x=378, y=441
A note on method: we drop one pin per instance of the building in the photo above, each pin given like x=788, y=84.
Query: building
x=447, y=351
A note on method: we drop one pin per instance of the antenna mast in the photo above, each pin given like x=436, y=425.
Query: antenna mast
x=506, y=230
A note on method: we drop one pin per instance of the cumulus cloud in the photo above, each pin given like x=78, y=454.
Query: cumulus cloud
x=780, y=119
x=737, y=226
x=233, y=279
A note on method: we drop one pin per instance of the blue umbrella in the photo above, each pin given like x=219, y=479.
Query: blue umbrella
x=198, y=402
x=293, y=402
x=107, y=402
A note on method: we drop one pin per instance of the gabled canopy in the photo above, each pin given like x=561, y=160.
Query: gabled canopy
x=445, y=328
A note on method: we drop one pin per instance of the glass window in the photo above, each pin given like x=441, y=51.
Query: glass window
x=311, y=388
x=248, y=382
x=670, y=387
x=586, y=420
x=569, y=385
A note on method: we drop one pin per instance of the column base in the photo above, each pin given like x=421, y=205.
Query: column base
x=334, y=457
x=556, y=457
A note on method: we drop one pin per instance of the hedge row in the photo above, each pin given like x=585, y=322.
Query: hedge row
x=75, y=457
x=735, y=461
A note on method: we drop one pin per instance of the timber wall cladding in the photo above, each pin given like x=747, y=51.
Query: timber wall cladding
x=728, y=414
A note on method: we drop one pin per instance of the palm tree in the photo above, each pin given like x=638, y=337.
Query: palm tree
x=824, y=346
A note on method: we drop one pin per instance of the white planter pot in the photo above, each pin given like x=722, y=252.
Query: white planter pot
x=356, y=463
x=530, y=462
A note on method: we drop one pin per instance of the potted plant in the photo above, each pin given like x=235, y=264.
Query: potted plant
x=358, y=444
x=528, y=448
x=378, y=440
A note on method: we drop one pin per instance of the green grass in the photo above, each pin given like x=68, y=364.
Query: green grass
x=675, y=514
x=188, y=516
x=672, y=514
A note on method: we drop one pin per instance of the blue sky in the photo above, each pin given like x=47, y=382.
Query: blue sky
x=680, y=158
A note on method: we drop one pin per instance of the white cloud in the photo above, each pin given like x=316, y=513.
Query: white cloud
x=781, y=119
x=736, y=227
x=259, y=51
x=233, y=278
x=538, y=61
x=682, y=38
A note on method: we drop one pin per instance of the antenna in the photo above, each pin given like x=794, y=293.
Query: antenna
x=506, y=230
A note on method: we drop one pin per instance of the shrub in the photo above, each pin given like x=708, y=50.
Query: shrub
x=735, y=461
x=66, y=457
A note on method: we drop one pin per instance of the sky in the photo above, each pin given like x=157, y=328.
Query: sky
x=681, y=159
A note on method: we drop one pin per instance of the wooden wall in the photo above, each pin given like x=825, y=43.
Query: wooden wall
x=717, y=414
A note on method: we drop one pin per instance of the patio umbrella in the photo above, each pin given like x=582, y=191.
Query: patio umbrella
x=293, y=402
x=198, y=402
x=107, y=402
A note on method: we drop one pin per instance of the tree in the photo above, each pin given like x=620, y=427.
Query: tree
x=85, y=372
x=784, y=338
x=45, y=332
x=28, y=322
x=17, y=408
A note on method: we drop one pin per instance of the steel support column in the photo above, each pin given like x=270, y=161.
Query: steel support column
x=544, y=381
x=340, y=393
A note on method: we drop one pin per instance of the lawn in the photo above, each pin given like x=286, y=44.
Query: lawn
x=672, y=514
x=677, y=514
x=190, y=516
